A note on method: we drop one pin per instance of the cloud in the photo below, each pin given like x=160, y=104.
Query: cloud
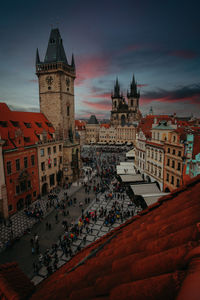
x=185, y=54
x=190, y=93
x=33, y=80
x=100, y=105
x=92, y=67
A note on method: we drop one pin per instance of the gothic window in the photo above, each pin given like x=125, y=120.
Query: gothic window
x=115, y=104
x=131, y=102
x=67, y=110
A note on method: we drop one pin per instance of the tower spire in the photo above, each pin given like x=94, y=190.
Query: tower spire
x=55, y=50
x=37, y=60
x=72, y=62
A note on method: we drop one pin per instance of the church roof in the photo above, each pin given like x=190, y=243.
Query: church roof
x=55, y=50
x=93, y=120
x=149, y=257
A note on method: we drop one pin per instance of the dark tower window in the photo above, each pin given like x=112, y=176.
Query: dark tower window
x=131, y=102
x=52, y=41
x=115, y=104
x=67, y=110
x=123, y=120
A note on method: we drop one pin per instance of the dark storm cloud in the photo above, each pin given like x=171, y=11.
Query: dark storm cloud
x=189, y=93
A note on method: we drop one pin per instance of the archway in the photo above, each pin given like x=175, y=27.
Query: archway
x=28, y=200
x=20, y=204
x=44, y=189
x=167, y=190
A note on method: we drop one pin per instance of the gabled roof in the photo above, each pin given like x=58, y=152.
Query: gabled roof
x=105, y=125
x=80, y=125
x=28, y=125
x=145, y=258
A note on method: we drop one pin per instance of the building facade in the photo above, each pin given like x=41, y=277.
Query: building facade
x=3, y=190
x=92, y=130
x=56, y=93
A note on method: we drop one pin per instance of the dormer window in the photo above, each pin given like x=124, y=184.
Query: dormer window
x=38, y=124
x=15, y=123
x=28, y=125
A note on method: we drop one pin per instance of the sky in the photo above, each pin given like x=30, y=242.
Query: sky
x=157, y=41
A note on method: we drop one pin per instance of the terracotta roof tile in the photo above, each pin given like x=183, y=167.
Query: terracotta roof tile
x=145, y=258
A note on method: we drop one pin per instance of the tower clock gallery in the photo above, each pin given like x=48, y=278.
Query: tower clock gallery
x=56, y=94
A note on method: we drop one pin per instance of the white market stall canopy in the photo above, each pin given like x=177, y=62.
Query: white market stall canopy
x=131, y=153
x=131, y=178
x=149, y=191
x=125, y=171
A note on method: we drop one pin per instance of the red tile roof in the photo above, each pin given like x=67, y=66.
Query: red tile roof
x=14, y=123
x=146, y=123
x=80, y=125
x=13, y=283
x=145, y=258
x=105, y=125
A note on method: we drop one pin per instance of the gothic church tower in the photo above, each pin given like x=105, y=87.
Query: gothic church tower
x=56, y=86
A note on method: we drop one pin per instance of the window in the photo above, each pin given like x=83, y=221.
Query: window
x=156, y=155
x=67, y=110
x=172, y=180
x=177, y=182
x=17, y=189
x=131, y=103
x=28, y=125
x=15, y=123
x=55, y=162
x=29, y=184
x=173, y=163
x=38, y=124
x=54, y=149
x=158, y=136
x=60, y=159
x=160, y=157
x=60, y=147
x=9, y=170
x=25, y=162
x=44, y=178
x=179, y=166
x=49, y=150
x=167, y=178
x=34, y=194
x=43, y=166
x=17, y=164
x=32, y=160
x=174, y=138
x=23, y=186
x=168, y=150
x=179, y=153
x=174, y=152
x=41, y=152
x=168, y=162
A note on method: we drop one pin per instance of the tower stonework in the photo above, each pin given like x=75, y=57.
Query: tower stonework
x=56, y=95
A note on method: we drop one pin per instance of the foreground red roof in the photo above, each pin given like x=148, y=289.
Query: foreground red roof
x=148, y=257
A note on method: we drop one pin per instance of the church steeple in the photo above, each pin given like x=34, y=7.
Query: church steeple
x=116, y=93
x=133, y=89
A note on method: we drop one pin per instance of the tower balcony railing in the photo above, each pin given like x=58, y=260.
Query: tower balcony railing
x=44, y=67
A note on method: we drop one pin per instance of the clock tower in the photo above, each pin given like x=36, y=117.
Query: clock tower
x=56, y=95
x=56, y=86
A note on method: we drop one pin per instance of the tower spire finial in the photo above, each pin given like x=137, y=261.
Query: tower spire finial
x=37, y=60
x=73, y=62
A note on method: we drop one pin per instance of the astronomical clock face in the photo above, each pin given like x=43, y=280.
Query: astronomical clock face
x=49, y=80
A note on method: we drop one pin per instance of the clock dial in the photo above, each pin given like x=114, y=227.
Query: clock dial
x=49, y=80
